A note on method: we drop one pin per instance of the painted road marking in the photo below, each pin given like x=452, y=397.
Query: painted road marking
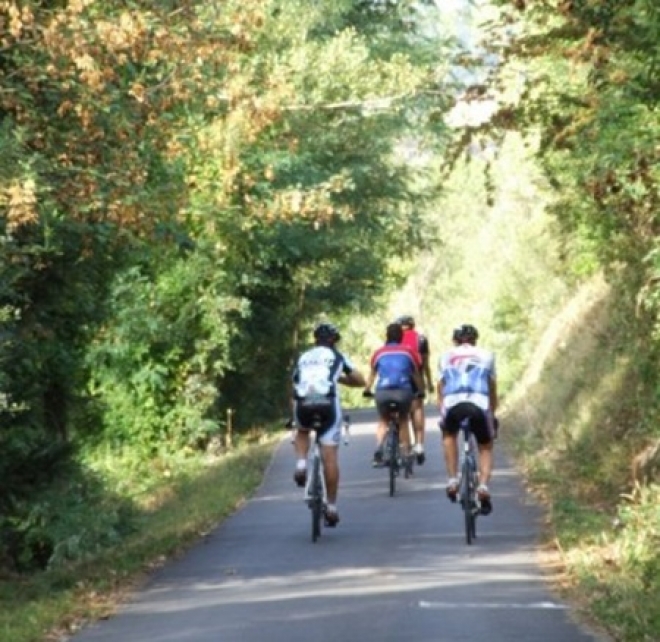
x=490, y=605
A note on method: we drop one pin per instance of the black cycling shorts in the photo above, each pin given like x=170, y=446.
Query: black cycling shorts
x=310, y=413
x=478, y=421
x=402, y=397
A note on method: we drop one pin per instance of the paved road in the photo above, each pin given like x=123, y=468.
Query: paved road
x=394, y=569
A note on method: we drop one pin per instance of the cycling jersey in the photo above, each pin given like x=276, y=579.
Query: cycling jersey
x=466, y=372
x=317, y=371
x=395, y=365
x=417, y=343
x=316, y=393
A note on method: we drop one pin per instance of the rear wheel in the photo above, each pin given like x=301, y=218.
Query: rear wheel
x=467, y=497
x=317, y=500
x=393, y=448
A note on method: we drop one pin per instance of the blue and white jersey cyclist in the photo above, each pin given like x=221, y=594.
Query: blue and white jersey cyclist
x=316, y=376
x=467, y=387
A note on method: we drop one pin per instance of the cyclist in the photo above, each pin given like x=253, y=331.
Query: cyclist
x=467, y=387
x=419, y=344
x=315, y=392
x=396, y=373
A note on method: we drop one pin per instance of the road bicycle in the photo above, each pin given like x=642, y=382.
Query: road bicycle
x=468, y=481
x=393, y=456
x=315, y=493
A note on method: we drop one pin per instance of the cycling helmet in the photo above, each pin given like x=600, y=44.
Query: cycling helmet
x=326, y=332
x=406, y=319
x=467, y=332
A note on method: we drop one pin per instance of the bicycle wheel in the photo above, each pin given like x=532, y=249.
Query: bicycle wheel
x=317, y=499
x=393, y=439
x=474, y=509
x=466, y=494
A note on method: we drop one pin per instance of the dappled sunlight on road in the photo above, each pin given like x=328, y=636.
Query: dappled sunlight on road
x=232, y=588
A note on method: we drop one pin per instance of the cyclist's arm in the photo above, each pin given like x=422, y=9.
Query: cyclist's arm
x=418, y=379
x=426, y=370
x=492, y=394
x=441, y=394
x=353, y=379
x=371, y=379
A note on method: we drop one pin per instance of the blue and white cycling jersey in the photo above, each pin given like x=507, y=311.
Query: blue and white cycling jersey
x=395, y=366
x=466, y=372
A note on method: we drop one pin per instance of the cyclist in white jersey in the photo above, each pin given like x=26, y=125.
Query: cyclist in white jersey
x=315, y=393
x=467, y=387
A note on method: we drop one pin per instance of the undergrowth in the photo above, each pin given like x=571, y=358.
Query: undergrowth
x=577, y=424
x=97, y=554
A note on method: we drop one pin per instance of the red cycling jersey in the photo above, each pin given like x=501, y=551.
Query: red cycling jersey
x=416, y=343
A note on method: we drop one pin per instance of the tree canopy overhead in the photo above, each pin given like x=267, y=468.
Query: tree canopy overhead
x=184, y=188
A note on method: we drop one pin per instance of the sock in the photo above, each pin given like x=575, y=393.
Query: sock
x=301, y=464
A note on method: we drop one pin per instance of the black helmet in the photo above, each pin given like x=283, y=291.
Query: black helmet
x=326, y=332
x=467, y=332
x=406, y=319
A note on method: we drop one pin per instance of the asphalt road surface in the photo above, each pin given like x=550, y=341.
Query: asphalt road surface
x=395, y=568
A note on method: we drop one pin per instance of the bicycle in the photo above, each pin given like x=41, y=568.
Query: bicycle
x=393, y=457
x=468, y=482
x=315, y=494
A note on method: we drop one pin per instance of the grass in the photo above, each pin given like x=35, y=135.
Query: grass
x=577, y=424
x=176, y=509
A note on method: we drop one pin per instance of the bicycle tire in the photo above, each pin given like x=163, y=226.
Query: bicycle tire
x=474, y=506
x=466, y=494
x=393, y=439
x=317, y=499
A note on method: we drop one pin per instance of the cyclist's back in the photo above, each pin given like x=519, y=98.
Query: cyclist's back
x=395, y=365
x=467, y=371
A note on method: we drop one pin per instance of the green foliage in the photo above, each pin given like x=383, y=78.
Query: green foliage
x=620, y=595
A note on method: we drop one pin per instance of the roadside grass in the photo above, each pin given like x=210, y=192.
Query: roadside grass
x=576, y=426
x=178, y=500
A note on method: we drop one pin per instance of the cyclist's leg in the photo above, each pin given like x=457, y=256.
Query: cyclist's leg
x=405, y=399
x=301, y=449
x=418, y=421
x=483, y=432
x=485, y=463
x=450, y=427
x=381, y=433
x=383, y=398
x=331, y=469
x=301, y=446
x=330, y=440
